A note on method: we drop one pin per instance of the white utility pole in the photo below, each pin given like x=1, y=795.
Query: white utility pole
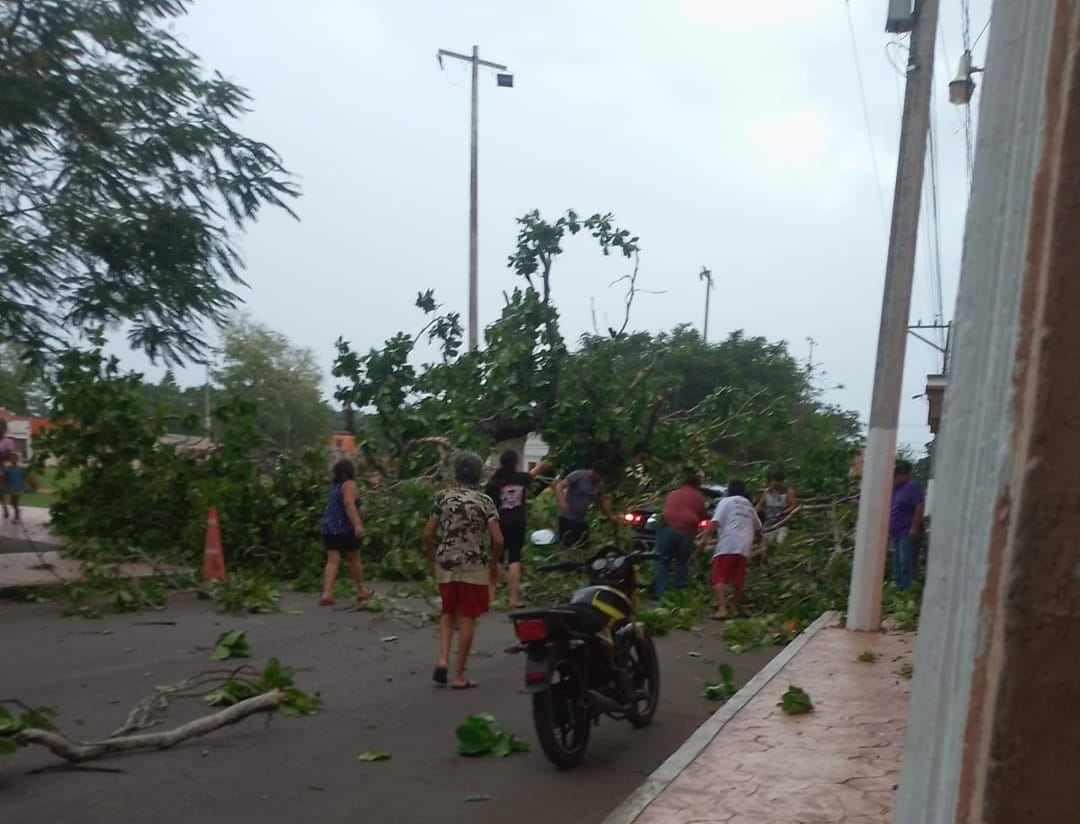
x=871, y=531
x=503, y=80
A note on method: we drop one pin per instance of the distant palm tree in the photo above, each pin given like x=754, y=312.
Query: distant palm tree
x=706, y=275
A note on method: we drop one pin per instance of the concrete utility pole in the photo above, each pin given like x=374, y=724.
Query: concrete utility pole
x=706, y=275
x=871, y=531
x=503, y=80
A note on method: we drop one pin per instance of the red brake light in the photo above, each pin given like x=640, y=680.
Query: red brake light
x=629, y=517
x=704, y=524
x=535, y=676
x=531, y=629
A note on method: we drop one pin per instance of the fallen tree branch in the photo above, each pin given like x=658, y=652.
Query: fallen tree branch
x=78, y=751
x=141, y=716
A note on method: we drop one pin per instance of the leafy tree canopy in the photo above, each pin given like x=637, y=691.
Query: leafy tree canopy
x=260, y=366
x=122, y=178
x=22, y=389
x=743, y=405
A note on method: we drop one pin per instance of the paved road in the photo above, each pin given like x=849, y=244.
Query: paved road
x=377, y=695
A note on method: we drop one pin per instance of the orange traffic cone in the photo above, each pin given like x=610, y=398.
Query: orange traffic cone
x=213, y=567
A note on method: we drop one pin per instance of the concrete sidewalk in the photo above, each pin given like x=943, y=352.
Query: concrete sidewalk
x=752, y=764
x=33, y=533
x=30, y=555
x=47, y=568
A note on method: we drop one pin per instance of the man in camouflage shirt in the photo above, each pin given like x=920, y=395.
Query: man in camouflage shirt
x=460, y=561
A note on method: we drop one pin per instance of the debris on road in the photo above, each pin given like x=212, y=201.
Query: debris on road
x=373, y=755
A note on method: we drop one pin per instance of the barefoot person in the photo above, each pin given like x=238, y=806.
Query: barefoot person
x=342, y=531
x=509, y=489
x=737, y=525
x=460, y=562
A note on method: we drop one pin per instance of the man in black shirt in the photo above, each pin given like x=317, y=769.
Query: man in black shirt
x=509, y=489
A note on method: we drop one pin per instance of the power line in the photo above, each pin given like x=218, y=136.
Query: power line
x=969, y=140
x=984, y=28
x=938, y=292
x=866, y=115
x=969, y=145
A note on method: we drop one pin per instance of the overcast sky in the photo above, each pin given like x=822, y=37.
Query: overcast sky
x=726, y=134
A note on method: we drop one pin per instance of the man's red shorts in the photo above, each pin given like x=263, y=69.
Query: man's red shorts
x=465, y=600
x=729, y=569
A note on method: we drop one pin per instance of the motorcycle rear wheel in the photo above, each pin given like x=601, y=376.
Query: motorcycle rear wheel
x=645, y=672
x=562, y=718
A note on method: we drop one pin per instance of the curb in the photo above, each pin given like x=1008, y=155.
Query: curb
x=643, y=796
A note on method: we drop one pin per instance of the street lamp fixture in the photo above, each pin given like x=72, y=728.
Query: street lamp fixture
x=962, y=87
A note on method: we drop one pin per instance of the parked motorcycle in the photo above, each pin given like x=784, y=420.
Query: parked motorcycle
x=589, y=658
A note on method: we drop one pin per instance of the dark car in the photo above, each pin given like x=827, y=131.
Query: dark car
x=644, y=520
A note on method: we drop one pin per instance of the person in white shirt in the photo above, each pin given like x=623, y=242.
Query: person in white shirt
x=736, y=524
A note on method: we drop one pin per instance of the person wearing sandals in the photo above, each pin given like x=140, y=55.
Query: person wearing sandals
x=342, y=531
x=461, y=563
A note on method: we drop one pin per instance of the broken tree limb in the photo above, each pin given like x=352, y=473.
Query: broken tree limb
x=78, y=751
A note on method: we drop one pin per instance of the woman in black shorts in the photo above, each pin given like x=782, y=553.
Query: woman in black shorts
x=509, y=489
x=342, y=531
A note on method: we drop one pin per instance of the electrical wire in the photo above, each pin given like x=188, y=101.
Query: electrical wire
x=969, y=139
x=936, y=279
x=984, y=30
x=866, y=116
x=965, y=23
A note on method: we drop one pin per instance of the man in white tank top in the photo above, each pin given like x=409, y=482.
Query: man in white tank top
x=775, y=504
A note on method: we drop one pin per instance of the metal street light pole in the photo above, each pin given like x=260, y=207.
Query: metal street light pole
x=503, y=80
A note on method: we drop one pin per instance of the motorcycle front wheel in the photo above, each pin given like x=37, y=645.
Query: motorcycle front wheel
x=561, y=716
x=645, y=677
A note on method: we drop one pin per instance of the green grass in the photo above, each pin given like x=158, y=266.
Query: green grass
x=47, y=484
x=42, y=499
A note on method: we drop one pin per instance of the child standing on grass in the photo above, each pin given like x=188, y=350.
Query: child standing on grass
x=15, y=480
x=342, y=531
x=738, y=526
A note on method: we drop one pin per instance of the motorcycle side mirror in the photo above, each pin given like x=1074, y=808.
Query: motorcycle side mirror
x=544, y=537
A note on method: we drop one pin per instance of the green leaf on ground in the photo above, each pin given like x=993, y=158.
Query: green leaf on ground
x=723, y=689
x=868, y=657
x=481, y=734
x=231, y=644
x=795, y=701
x=12, y=725
x=906, y=670
x=373, y=755
x=478, y=797
x=274, y=676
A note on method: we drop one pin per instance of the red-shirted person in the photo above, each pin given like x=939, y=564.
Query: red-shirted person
x=683, y=512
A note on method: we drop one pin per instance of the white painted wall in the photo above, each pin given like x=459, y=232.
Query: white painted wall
x=973, y=458
x=20, y=431
x=535, y=450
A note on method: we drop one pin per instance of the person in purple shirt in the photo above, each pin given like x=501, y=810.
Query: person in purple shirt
x=905, y=525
